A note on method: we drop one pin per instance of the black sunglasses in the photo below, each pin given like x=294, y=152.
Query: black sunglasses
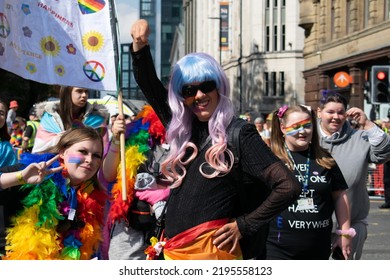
x=191, y=90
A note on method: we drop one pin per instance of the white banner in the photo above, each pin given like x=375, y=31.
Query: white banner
x=63, y=42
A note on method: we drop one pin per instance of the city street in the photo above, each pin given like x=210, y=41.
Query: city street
x=377, y=246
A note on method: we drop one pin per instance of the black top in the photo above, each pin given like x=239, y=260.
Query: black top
x=306, y=234
x=199, y=199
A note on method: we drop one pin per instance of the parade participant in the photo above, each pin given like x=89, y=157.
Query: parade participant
x=386, y=183
x=263, y=132
x=16, y=134
x=62, y=215
x=31, y=131
x=303, y=231
x=8, y=157
x=203, y=218
x=353, y=150
x=72, y=110
x=11, y=115
x=131, y=223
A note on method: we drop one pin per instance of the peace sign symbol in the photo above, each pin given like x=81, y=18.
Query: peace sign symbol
x=4, y=26
x=94, y=70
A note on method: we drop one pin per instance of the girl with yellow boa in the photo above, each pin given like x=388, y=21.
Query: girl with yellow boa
x=63, y=212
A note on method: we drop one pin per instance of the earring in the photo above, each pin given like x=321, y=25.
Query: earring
x=65, y=172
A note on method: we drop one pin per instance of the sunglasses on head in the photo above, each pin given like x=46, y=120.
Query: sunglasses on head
x=191, y=90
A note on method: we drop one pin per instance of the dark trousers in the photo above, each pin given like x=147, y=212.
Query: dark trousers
x=387, y=192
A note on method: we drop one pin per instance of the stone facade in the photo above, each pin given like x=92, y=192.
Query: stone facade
x=253, y=53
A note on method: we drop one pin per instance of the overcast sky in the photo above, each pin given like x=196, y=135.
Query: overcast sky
x=127, y=12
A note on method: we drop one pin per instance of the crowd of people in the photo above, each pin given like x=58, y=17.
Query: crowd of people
x=200, y=182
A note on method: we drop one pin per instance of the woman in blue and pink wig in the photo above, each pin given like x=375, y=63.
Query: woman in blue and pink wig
x=198, y=69
x=206, y=217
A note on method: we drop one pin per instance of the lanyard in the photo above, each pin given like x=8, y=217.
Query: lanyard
x=306, y=177
x=72, y=203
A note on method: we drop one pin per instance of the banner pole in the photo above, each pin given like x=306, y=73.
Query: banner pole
x=115, y=29
x=122, y=150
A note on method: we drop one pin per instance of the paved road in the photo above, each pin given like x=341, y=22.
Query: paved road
x=377, y=246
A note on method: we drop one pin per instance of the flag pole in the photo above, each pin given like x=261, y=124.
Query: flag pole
x=122, y=150
x=114, y=26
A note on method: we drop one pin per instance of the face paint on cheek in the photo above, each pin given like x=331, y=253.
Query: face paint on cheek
x=75, y=159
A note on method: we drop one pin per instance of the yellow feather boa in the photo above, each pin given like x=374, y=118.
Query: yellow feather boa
x=35, y=238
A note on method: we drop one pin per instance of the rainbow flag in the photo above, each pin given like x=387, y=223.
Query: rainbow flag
x=59, y=42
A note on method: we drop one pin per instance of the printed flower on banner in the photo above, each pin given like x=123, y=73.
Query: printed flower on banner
x=60, y=70
x=50, y=46
x=71, y=49
x=93, y=41
x=1, y=49
x=27, y=31
x=26, y=9
x=30, y=67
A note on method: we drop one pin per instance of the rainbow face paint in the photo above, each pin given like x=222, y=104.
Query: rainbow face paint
x=298, y=127
x=75, y=159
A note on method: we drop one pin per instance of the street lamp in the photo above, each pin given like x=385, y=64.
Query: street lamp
x=220, y=35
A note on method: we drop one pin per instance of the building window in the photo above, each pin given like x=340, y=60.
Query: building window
x=267, y=27
x=332, y=18
x=273, y=84
x=126, y=70
x=275, y=23
x=386, y=10
x=281, y=83
x=176, y=11
x=266, y=84
x=283, y=23
x=166, y=32
x=147, y=8
x=267, y=39
x=347, y=16
x=275, y=41
x=366, y=13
